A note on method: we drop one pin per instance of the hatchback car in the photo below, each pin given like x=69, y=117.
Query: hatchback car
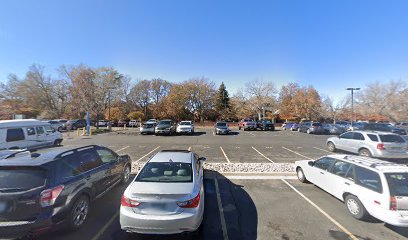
x=367, y=186
x=53, y=188
x=166, y=197
x=370, y=144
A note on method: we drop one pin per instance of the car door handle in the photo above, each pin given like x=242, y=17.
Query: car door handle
x=322, y=173
x=347, y=183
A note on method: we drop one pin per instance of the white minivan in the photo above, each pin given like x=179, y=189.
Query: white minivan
x=27, y=133
x=367, y=186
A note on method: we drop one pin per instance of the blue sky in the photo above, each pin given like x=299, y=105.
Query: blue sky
x=331, y=45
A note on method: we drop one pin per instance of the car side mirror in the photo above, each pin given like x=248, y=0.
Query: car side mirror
x=202, y=159
x=122, y=158
x=310, y=163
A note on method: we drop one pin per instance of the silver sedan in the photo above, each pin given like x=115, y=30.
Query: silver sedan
x=166, y=197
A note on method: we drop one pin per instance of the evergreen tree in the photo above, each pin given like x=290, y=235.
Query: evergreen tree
x=223, y=101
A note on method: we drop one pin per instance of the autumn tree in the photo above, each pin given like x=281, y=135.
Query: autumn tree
x=140, y=95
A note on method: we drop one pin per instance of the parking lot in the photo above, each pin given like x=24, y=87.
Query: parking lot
x=238, y=206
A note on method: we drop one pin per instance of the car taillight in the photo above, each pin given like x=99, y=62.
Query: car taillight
x=380, y=146
x=127, y=202
x=192, y=203
x=48, y=197
x=393, y=204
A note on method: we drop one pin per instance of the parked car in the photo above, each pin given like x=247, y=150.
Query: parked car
x=134, y=123
x=334, y=129
x=185, y=127
x=384, y=127
x=265, y=125
x=30, y=134
x=56, y=125
x=63, y=123
x=147, y=128
x=247, y=124
x=356, y=126
x=370, y=144
x=287, y=126
x=47, y=189
x=121, y=123
x=165, y=127
x=75, y=124
x=152, y=120
x=101, y=123
x=221, y=128
x=294, y=126
x=166, y=197
x=367, y=186
x=311, y=128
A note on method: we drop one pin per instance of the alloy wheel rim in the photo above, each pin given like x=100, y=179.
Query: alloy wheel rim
x=81, y=211
x=300, y=174
x=126, y=174
x=353, y=206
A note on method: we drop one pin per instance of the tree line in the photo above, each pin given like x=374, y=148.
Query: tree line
x=108, y=94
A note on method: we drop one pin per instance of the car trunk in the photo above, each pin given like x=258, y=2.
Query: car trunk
x=20, y=190
x=398, y=185
x=393, y=143
x=160, y=198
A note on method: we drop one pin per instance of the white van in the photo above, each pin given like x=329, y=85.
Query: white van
x=27, y=133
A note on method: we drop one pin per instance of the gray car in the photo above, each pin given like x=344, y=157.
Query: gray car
x=166, y=197
x=370, y=144
x=147, y=128
x=165, y=127
x=221, y=128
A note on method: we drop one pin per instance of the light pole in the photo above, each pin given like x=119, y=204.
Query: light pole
x=109, y=106
x=352, y=103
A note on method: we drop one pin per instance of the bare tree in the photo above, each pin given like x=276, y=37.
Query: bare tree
x=260, y=94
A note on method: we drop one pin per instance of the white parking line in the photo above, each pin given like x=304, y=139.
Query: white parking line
x=147, y=154
x=122, y=149
x=256, y=177
x=221, y=210
x=225, y=155
x=103, y=229
x=263, y=155
x=251, y=134
x=297, y=153
x=322, y=149
x=321, y=211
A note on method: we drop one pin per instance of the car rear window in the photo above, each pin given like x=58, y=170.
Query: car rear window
x=391, y=138
x=21, y=178
x=166, y=172
x=164, y=122
x=398, y=183
x=221, y=124
x=316, y=124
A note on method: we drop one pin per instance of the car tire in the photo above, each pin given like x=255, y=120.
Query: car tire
x=300, y=175
x=74, y=128
x=364, y=152
x=355, y=207
x=59, y=129
x=78, y=213
x=331, y=147
x=126, y=174
x=239, y=128
x=57, y=142
x=308, y=131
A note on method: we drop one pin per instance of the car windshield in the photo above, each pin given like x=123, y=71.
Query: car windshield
x=175, y=172
x=185, y=123
x=316, y=124
x=165, y=122
x=221, y=124
x=389, y=138
x=398, y=183
x=267, y=121
x=21, y=178
x=147, y=125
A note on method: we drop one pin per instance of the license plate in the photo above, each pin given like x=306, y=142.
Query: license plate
x=3, y=207
x=159, y=206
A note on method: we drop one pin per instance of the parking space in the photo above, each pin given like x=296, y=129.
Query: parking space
x=239, y=207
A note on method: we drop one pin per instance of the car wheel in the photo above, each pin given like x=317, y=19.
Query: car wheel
x=308, y=131
x=57, y=142
x=79, y=213
x=239, y=128
x=301, y=176
x=331, y=147
x=74, y=128
x=126, y=174
x=355, y=207
x=59, y=129
x=364, y=152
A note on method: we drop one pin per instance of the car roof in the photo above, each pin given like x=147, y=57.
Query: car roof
x=21, y=123
x=371, y=163
x=183, y=156
x=40, y=157
x=375, y=132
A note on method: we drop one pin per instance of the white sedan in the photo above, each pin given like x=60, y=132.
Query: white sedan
x=166, y=197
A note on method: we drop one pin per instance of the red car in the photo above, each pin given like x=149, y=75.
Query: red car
x=247, y=124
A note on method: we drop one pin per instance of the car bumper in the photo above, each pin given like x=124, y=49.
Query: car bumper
x=162, y=131
x=250, y=127
x=146, y=130
x=395, y=218
x=10, y=230
x=384, y=154
x=222, y=131
x=170, y=224
x=184, y=130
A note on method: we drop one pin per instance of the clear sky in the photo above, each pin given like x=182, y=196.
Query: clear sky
x=331, y=45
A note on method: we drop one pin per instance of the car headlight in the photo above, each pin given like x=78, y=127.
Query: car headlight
x=167, y=128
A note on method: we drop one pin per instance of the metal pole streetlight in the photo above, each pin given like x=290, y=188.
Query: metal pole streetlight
x=109, y=116
x=352, y=103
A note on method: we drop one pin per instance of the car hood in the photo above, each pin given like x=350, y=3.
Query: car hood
x=222, y=127
x=160, y=188
x=302, y=163
x=163, y=125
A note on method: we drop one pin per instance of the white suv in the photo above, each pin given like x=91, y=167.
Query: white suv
x=367, y=186
x=370, y=144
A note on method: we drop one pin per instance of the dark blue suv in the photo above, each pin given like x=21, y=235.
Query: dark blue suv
x=48, y=188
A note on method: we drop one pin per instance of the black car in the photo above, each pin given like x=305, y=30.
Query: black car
x=75, y=124
x=384, y=127
x=265, y=125
x=49, y=189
